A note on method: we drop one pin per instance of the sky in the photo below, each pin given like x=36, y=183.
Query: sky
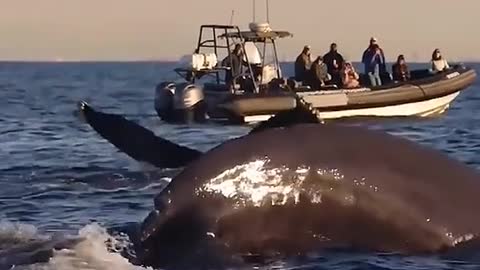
x=72, y=30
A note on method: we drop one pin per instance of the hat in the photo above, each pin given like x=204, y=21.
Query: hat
x=306, y=47
x=373, y=39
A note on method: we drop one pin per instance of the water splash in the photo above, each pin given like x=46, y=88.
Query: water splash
x=92, y=253
x=15, y=232
x=96, y=249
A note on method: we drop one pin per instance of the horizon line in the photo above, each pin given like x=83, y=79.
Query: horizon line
x=176, y=61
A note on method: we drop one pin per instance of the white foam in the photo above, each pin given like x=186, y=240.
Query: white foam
x=91, y=253
x=15, y=231
x=97, y=251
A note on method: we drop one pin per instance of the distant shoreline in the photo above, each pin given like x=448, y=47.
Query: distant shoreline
x=163, y=62
x=87, y=61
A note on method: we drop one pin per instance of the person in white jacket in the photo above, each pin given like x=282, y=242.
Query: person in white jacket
x=438, y=62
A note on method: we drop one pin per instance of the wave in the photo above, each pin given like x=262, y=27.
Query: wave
x=22, y=247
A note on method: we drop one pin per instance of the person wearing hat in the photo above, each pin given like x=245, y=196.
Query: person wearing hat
x=318, y=73
x=334, y=62
x=400, y=70
x=373, y=60
x=302, y=65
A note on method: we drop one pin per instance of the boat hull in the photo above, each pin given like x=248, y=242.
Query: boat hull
x=422, y=109
x=428, y=108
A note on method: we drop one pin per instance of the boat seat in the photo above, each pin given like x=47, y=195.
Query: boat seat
x=329, y=87
x=303, y=88
x=246, y=84
x=365, y=79
x=216, y=87
x=420, y=74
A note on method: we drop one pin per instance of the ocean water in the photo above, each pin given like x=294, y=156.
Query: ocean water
x=59, y=179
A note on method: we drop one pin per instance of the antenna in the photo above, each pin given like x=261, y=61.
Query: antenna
x=231, y=17
x=268, y=12
x=254, y=15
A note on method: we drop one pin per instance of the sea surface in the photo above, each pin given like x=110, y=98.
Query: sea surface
x=58, y=178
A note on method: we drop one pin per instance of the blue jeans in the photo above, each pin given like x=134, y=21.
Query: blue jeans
x=374, y=79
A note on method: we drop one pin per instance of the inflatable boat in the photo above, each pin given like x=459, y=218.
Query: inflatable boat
x=426, y=95
x=261, y=91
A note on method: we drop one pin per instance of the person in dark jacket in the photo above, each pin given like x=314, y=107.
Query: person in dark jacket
x=372, y=58
x=400, y=70
x=318, y=73
x=234, y=62
x=374, y=65
x=334, y=62
x=367, y=54
x=302, y=65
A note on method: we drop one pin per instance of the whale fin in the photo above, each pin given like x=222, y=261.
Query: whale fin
x=137, y=141
x=297, y=115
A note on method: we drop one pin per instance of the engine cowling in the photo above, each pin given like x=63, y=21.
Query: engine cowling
x=182, y=102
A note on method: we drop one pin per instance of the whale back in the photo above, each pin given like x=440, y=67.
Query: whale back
x=403, y=177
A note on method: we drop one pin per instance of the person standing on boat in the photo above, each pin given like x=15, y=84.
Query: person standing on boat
x=234, y=62
x=334, y=62
x=400, y=70
x=375, y=65
x=367, y=54
x=438, y=62
x=319, y=73
x=373, y=58
x=302, y=65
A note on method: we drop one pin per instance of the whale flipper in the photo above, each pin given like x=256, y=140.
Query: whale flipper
x=297, y=115
x=137, y=141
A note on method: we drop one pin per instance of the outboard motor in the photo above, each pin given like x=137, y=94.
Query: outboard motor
x=182, y=103
x=164, y=99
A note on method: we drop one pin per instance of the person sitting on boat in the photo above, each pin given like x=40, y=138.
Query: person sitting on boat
x=400, y=70
x=319, y=73
x=302, y=65
x=349, y=76
x=438, y=62
x=334, y=62
x=234, y=62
